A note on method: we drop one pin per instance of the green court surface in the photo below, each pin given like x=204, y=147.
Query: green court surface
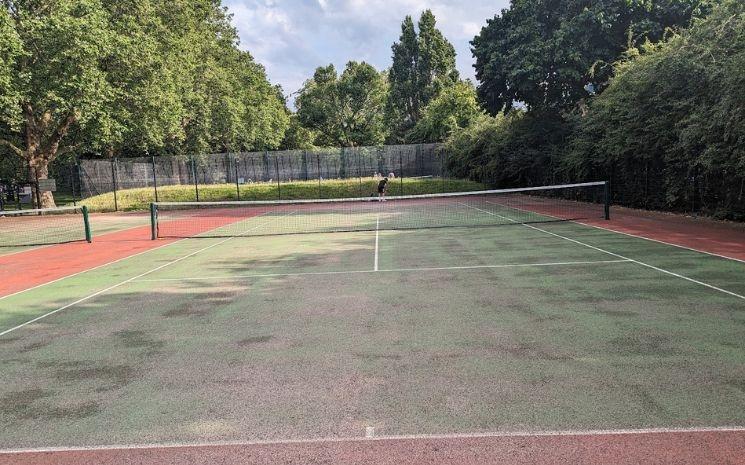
x=537, y=327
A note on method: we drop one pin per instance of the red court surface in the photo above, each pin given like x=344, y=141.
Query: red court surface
x=716, y=237
x=702, y=447
x=46, y=264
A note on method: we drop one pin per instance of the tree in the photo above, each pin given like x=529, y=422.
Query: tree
x=298, y=137
x=127, y=77
x=670, y=128
x=344, y=110
x=423, y=64
x=455, y=108
x=552, y=54
x=58, y=79
x=10, y=49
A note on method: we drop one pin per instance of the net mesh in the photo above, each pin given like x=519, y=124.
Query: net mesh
x=482, y=208
x=42, y=227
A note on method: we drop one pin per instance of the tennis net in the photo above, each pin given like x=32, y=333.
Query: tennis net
x=44, y=226
x=480, y=208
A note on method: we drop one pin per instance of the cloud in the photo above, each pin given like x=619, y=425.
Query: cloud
x=293, y=37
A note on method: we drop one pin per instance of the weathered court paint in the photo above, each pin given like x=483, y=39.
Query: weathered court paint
x=25, y=270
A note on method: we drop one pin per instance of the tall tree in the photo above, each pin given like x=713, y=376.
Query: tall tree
x=669, y=131
x=10, y=49
x=454, y=108
x=423, y=64
x=128, y=76
x=346, y=110
x=58, y=80
x=551, y=54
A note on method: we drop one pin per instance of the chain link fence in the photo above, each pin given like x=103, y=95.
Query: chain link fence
x=247, y=175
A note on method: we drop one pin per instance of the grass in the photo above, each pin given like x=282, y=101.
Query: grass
x=140, y=198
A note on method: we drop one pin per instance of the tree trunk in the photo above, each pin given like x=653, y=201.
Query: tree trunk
x=39, y=169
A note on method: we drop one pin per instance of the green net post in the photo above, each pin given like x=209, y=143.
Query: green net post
x=153, y=222
x=606, y=199
x=87, y=224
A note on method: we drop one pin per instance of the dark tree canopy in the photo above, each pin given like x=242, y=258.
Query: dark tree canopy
x=550, y=54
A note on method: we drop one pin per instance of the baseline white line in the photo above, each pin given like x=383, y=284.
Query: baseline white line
x=486, y=435
x=377, y=237
x=126, y=281
x=661, y=270
x=391, y=270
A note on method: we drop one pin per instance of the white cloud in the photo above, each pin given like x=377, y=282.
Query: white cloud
x=293, y=37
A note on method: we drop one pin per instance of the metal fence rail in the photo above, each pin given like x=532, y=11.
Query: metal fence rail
x=87, y=177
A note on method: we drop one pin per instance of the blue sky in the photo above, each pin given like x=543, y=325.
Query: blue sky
x=293, y=37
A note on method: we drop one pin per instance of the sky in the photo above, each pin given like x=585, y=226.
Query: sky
x=291, y=38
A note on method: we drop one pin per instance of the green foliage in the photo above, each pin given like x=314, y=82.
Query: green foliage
x=423, y=65
x=297, y=136
x=455, y=108
x=515, y=150
x=344, y=110
x=127, y=77
x=668, y=132
x=10, y=50
x=551, y=54
x=670, y=129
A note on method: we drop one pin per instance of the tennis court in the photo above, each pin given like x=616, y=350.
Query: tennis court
x=453, y=315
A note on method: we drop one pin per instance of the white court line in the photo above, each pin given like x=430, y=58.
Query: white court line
x=377, y=240
x=425, y=437
x=89, y=269
x=625, y=234
x=129, y=280
x=391, y=270
x=661, y=270
x=660, y=242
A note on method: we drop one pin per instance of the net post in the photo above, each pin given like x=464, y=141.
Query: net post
x=606, y=199
x=87, y=224
x=153, y=221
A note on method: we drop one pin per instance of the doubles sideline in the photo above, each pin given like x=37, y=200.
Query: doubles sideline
x=133, y=278
x=647, y=265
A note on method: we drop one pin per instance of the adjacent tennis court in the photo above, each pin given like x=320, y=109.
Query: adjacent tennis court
x=440, y=315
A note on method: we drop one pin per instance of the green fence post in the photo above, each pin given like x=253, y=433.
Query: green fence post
x=606, y=195
x=114, y=183
x=237, y=185
x=155, y=176
x=87, y=223
x=276, y=171
x=153, y=221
